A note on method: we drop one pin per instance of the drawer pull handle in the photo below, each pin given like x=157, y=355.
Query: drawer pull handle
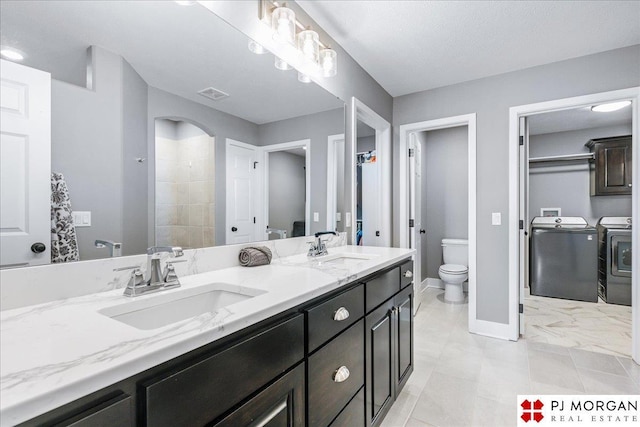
x=341, y=314
x=408, y=273
x=341, y=374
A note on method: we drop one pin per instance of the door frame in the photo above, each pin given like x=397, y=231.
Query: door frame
x=359, y=111
x=631, y=94
x=273, y=148
x=403, y=211
x=332, y=179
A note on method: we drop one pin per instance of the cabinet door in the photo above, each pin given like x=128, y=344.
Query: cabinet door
x=379, y=362
x=613, y=166
x=116, y=411
x=279, y=405
x=403, y=309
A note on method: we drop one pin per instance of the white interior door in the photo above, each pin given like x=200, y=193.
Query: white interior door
x=370, y=205
x=25, y=165
x=241, y=192
x=415, y=208
x=524, y=215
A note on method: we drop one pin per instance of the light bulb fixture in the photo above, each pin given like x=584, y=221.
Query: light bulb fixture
x=11, y=53
x=283, y=24
x=309, y=44
x=186, y=3
x=303, y=78
x=256, y=47
x=329, y=62
x=282, y=64
x=611, y=106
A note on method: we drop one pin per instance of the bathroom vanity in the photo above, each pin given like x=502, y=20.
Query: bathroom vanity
x=317, y=342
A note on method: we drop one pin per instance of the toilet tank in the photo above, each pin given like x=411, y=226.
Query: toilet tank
x=455, y=251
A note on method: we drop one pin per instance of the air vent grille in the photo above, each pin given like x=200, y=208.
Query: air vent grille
x=213, y=93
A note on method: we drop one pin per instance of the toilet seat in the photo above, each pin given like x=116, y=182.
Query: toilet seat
x=454, y=269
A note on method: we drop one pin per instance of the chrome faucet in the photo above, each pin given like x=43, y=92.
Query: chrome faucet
x=115, y=248
x=319, y=247
x=158, y=280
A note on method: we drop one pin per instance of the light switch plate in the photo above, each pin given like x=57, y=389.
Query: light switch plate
x=338, y=216
x=496, y=218
x=316, y=217
x=82, y=218
x=347, y=219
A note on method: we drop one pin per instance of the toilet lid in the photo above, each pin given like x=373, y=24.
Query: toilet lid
x=454, y=268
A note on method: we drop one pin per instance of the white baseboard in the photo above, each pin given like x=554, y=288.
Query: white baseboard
x=439, y=284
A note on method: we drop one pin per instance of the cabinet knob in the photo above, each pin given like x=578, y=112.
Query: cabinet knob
x=341, y=314
x=408, y=273
x=341, y=374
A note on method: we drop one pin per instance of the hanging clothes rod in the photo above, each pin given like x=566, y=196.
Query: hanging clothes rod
x=563, y=158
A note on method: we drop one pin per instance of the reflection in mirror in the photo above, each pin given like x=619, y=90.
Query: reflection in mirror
x=335, y=182
x=116, y=67
x=366, y=185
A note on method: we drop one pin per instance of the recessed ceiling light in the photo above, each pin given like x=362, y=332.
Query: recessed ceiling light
x=612, y=106
x=11, y=54
x=185, y=3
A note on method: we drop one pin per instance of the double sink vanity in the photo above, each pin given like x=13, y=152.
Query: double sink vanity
x=302, y=341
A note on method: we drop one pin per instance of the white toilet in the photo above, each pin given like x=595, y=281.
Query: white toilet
x=455, y=269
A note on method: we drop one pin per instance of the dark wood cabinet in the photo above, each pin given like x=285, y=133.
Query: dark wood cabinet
x=279, y=405
x=115, y=411
x=610, y=171
x=353, y=414
x=389, y=350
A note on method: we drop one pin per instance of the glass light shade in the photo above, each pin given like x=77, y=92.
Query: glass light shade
x=309, y=44
x=283, y=24
x=303, y=78
x=11, y=54
x=329, y=62
x=256, y=48
x=282, y=65
x=612, y=106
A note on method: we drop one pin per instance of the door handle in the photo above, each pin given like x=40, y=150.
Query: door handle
x=38, y=248
x=234, y=229
x=422, y=231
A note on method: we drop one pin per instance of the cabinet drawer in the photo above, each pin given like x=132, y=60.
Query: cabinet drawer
x=205, y=390
x=326, y=397
x=353, y=414
x=406, y=274
x=114, y=412
x=322, y=323
x=382, y=288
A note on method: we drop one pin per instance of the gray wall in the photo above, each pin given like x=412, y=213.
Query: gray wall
x=215, y=123
x=317, y=128
x=86, y=146
x=287, y=188
x=490, y=98
x=366, y=144
x=444, y=201
x=566, y=185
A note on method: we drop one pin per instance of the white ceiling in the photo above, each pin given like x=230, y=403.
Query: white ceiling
x=175, y=48
x=577, y=119
x=410, y=46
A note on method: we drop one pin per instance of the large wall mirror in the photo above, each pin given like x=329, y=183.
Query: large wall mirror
x=169, y=131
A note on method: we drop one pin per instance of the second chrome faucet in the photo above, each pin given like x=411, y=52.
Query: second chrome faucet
x=158, y=279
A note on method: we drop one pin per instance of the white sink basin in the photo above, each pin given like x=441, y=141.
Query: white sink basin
x=164, y=309
x=345, y=258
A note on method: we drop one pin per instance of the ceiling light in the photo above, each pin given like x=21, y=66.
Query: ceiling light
x=11, y=54
x=256, y=48
x=329, y=62
x=282, y=65
x=186, y=3
x=304, y=147
x=611, y=106
x=303, y=78
x=283, y=23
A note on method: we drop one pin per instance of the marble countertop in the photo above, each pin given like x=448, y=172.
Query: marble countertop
x=56, y=352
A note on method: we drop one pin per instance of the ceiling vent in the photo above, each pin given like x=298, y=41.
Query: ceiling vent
x=213, y=93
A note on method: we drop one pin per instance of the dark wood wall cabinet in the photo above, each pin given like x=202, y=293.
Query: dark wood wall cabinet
x=339, y=360
x=611, y=168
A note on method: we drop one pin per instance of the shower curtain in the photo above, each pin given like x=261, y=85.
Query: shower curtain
x=64, y=244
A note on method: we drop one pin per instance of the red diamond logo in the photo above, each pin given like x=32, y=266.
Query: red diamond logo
x=532, y=411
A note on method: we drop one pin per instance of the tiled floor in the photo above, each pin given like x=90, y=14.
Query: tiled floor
x=600, y=327
x=462, y=379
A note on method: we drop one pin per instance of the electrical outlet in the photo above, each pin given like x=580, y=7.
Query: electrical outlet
x=316, y=217
x=496, y=218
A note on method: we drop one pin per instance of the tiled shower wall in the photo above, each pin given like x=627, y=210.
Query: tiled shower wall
x=184, y=191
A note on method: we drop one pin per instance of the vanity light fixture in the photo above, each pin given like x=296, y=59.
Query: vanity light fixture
x=611, y=106
x=11, y=53
x=256, y=47
x=314, y=58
